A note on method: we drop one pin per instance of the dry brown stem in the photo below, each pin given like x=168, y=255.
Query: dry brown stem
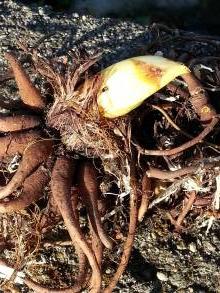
x=173, y=124
x=30, y=95
x=169, y=175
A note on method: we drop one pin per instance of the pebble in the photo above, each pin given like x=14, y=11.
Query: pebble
x=105, y=39
x=75, y=14
x=162, y=277
x=192, y=247
x=215, y=240
x=181, y=246
x=41, y=11
x=153, y=235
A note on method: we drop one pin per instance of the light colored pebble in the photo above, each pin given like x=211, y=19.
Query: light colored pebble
x=192, y=247
x=162, y=277
x=108, y=271
x=181, y=246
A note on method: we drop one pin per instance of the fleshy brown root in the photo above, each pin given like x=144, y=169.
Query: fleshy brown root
x=33, y=156
x=29, y=94
x=17, y=142
x=61, y=187
x=90, y=192
x=18, y=122
x=32, y=190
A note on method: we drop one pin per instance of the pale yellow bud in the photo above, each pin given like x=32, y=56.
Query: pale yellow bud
x=128, y=83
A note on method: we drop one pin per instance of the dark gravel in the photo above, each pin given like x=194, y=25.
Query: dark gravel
x=115, y=39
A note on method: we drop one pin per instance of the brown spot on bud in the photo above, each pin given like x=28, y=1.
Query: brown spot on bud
x=149, y=72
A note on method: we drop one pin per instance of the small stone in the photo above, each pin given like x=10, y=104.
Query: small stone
x=192, y=247
x=215, y=240
x=159, y=53
x=75, y=14
x=108, y=271
x=105, y=39
x=41, y=11
x=153, y=236
x=181, y=246
x=162, y=277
